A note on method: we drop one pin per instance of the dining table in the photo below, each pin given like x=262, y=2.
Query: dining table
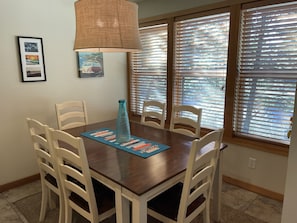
x=135, y=179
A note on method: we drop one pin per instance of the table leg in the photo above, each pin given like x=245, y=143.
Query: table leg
x=125, y=210
x=217, y=189
x=139, y=210
x=119, y=205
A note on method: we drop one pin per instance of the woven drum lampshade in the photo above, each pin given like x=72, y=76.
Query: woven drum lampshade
x=106, y=26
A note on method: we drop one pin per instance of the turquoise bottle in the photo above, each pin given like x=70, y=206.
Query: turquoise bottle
x=122, y=126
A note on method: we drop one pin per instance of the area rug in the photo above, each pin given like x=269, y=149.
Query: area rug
x=29, y=208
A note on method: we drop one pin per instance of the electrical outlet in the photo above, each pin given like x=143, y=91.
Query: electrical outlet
x=252, y=163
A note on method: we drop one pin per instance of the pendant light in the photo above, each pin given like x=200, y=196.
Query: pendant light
x=106, y=26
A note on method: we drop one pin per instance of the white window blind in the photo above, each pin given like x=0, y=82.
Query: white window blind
x=149, y=68
x=267, y=69
x=201, y=46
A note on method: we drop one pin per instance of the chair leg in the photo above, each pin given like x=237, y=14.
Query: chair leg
x=68, y=214
x=52, y=203
x=206, y=214
x=44, y=201
x=61, y=210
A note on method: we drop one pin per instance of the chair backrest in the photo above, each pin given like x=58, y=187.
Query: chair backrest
x=153, y=114
x=186, y=119
x=45, y=154
x=75, y=174
x=71, y=114
x=199, y=175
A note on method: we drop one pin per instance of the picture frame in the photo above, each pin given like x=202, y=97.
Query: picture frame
x=90, y=64
x=31, y=58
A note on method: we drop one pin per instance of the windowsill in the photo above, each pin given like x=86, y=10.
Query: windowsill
x=270, y=147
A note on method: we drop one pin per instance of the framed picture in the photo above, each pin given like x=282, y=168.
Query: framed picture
x=31, y=58
x=90, y=64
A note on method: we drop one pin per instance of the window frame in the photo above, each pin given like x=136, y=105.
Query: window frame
x=132, y=106
x=213, y=14
x=234, y=7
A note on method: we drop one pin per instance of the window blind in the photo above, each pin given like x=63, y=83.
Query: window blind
x=267, y=68
x=149, y=68
x=201, y=46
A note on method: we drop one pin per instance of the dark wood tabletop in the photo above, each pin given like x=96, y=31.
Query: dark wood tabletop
x=135, y=173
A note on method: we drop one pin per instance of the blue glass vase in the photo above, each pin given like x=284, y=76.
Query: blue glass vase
x=123, y=126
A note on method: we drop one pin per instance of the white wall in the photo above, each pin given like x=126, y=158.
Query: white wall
x=270, y=171
x=289, y=214
x=54, y=21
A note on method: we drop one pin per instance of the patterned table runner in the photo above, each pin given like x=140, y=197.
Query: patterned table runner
x=138, y=146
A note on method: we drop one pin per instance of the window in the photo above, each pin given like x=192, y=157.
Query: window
x=236, y=60
x=267, y=69
x=200, y=64
x=149, y=68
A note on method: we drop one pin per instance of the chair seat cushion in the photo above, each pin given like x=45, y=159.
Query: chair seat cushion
x=167, y=203
x=105, y=198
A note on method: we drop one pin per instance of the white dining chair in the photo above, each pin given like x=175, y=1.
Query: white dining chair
x=88, y=197
x=153, y=114
x=46, y=160
x=71, y=114
x=186, y=119
x=185, y=201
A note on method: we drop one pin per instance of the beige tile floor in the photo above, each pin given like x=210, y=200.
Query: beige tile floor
x=255, y=205
x=248, y=202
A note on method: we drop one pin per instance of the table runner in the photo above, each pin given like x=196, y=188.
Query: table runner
x=138, y=146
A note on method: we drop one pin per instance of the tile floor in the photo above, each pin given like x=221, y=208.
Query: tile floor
x=250, y=203
x=255, y=205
